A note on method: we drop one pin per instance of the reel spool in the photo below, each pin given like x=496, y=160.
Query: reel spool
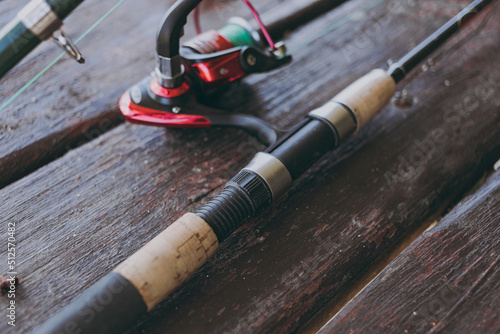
x=221, y=49
x=237, y=32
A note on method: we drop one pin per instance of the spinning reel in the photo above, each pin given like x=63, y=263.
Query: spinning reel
x=186, y=74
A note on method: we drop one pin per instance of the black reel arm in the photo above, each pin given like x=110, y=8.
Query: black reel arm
x=171, y=30
x=169, y=68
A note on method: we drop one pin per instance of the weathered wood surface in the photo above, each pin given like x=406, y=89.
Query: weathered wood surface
x=447, y=281
x=84, y=213
x=41, y=125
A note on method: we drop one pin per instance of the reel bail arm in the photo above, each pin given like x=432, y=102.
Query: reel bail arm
x=169, y=69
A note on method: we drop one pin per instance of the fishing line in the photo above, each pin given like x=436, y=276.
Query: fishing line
x=328, y=30
x=261, y=24
x=29, y=83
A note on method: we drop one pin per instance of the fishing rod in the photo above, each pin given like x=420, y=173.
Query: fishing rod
x=37, y=21
x=138, y=284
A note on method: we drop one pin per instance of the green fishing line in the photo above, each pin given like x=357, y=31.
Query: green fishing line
x=29, y=83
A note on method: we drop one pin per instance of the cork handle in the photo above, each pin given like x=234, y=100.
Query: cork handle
x=170, y=258
x=368, y=95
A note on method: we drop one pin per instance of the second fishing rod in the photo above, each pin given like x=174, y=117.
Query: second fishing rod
x=139, y=283
x=37, y=21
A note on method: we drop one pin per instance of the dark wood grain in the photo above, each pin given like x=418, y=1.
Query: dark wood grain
x=82, y=214
x=447, y=281
x=41, y=125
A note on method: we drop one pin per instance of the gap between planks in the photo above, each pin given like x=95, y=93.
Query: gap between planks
x=336, y=304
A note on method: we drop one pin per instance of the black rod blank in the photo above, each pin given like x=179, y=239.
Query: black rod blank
x=399, y=69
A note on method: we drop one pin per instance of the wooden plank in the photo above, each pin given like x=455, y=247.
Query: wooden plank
x=41, y=125
x=81, y=215
x=447, y=281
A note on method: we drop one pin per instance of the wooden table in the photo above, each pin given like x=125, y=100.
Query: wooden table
x=86, y=190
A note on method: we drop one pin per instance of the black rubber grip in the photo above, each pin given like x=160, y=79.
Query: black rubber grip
x=111, y=305
x=244, y=196
x=254, y=187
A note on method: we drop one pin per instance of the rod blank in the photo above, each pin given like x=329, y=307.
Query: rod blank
x=408, y=62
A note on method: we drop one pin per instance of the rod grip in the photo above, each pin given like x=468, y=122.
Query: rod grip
x=119, y=299
x=170, y=258
x=366, y=96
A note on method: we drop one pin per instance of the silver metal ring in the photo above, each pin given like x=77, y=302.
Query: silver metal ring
x=339, y=116
x=39, y=18
x=169, y=71
x=396, y=66
x=272, y=171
